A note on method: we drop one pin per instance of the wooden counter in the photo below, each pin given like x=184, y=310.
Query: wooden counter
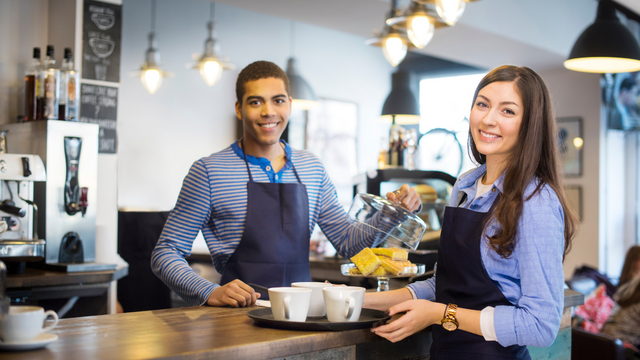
x=226, y=333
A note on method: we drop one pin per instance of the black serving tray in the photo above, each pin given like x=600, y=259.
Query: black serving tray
x=368, y=318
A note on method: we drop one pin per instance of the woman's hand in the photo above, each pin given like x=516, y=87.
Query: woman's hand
x=420, y=314
x=405, y=196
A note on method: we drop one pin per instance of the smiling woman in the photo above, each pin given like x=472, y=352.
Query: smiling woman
x=504, y=236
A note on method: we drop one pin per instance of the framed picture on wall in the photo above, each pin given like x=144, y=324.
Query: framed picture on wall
x=574, y=196
x=570, y=143
x=331, y=134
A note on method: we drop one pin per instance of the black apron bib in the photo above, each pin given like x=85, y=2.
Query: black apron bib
x=461, y=279
x=274, y=248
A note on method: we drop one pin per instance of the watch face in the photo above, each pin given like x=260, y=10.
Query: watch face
x=449, y=325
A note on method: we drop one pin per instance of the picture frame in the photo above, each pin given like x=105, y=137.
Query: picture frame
x=570, y=144
x=574, y=197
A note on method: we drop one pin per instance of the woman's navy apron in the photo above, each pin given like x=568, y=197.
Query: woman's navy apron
x=461, y=279
x=274, y=248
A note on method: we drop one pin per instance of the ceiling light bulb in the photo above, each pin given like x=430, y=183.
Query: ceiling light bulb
x=450, y=11
x=211, y=72
x=420, y=31
x=151, y=79
x=394, y=50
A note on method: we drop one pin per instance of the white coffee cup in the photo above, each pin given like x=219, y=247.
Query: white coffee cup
x=316, y=304
x=289, y=304
x=344, y=303
x=24, y=323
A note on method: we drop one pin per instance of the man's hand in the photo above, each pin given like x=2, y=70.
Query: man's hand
x=234, y=294
x=406, y=197
x=420, y=314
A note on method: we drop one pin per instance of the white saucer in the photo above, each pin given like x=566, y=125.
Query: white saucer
x=39, y=341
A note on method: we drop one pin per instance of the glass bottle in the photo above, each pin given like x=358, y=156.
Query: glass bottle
x=396, y=145
x=411, y=150
x=69, y=95
x=51, y=86
x=383, y=157
x=31, y=86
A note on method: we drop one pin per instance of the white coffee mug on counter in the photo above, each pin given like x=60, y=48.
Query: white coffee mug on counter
x=24, y=323
x=316, y=304
x=343, y=303
x=289, y=303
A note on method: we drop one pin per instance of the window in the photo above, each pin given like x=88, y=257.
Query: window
x=445, y=103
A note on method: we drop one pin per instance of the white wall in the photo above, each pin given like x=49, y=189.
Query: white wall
x=161, y=135
x=23, y=26
x=578, y=94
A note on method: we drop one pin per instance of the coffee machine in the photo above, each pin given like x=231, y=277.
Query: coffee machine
x=19, y=238
x=68, y=199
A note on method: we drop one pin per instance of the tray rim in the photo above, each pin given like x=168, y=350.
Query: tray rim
x=347, y=266
x=314, y=325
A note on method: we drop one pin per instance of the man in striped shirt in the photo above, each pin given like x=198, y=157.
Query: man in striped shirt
x=256, y=203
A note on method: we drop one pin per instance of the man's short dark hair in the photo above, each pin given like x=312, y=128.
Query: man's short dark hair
x=259, y=70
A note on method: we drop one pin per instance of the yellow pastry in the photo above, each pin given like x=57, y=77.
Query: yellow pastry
x=354, y=271
x=392, y=253
x=366, y=261
x=396, y=267
x=380, y=271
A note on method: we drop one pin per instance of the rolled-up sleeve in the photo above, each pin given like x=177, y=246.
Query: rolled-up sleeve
x=535, y=317
x=426, y=289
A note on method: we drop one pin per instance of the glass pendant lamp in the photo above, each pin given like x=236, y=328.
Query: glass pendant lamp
x=417, y=22
x=394, y=42
x=209, y=63
x=151, y=72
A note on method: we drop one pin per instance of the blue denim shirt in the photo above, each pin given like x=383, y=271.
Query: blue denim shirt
x=531, y=278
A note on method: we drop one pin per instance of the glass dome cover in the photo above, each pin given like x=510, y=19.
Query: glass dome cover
x=389, y=224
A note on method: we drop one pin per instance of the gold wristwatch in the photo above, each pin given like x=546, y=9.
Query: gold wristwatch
x=449, y=321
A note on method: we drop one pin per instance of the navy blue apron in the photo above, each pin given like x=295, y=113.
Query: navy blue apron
x=274, y=248
x=461, y=279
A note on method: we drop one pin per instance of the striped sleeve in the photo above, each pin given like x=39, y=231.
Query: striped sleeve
x=191, y=213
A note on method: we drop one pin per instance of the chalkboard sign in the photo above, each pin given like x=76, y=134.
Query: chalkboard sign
x=101, y=41
x=99, y=105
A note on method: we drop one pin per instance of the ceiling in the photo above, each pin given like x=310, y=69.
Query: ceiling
x=534, y=33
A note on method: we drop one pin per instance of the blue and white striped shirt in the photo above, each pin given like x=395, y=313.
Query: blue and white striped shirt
x=213, y=199
x=532, y=278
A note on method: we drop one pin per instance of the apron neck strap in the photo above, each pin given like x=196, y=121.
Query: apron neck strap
x=244, y=153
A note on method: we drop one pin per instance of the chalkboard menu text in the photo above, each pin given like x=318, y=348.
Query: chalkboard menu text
x=101, y=41
x=99, y=105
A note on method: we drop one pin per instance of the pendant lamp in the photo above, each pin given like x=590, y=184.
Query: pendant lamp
x=417, y=22
x=394, y=42
x=302, y=95
x=606, y=46
x=401, y=106
x=210, y=64
x=151, y=73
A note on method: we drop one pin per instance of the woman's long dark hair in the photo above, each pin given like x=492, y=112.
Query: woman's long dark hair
x=534, y=156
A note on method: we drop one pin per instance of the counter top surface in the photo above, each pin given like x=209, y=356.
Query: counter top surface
x=189, y=333
x=199, y=332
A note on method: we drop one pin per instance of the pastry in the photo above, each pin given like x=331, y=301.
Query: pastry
x=392, y=253
x=366, y=261
x=397, y=267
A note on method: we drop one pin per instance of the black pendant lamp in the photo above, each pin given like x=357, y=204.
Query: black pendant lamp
x=607, y=46
x=401, y=107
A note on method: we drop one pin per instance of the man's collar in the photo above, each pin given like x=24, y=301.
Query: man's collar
x=260, y=160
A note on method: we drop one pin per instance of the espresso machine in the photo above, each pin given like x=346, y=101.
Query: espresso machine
x=19, y=239
x=67, y=200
